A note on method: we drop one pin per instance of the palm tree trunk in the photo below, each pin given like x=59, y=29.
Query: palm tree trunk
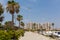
x=19, y=24
x=13, y=19
x=53, y=27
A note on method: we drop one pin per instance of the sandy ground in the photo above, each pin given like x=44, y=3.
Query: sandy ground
x=34, y=36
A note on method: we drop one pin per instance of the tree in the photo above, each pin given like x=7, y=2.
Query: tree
x=1, y=12
x=22, y=24
x=19, y=18
x=0, y=24
x=12, y=7
x=34, y=24
x=8, y=25
x=1, y=9
x=53, y=25
x=1, y=18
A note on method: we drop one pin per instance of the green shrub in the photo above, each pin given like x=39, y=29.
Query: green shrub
x=4, y=35
x=7, y=35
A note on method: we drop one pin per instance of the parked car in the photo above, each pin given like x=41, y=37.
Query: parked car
x=47, y=33
x=57, y=34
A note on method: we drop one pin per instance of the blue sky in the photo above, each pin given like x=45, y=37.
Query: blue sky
x=40, y=11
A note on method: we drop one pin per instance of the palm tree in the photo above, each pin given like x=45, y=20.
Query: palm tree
x=1, y=18
x=1, y=9
x=34, y=24
x=0, y=24
x=19, y=18
x=22, y=24
x=1, y=12
x=53, y=25
x=12, y=7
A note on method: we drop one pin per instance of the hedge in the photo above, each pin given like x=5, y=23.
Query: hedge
x=11, y=34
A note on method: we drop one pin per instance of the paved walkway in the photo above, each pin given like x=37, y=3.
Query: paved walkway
x=34, y=36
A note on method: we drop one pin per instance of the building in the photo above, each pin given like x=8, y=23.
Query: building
x=32, y=25
x=36, y=26
x=47, y=26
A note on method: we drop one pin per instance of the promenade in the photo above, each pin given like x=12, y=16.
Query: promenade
x=34, y=36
